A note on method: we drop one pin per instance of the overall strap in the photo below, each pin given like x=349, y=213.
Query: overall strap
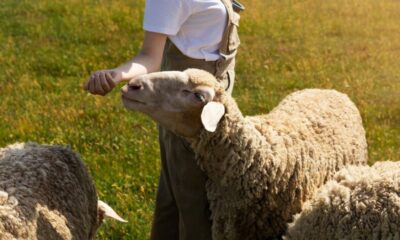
x=230, y=42
x=225, y=37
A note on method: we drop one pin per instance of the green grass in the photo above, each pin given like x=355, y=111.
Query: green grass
x=48, y=49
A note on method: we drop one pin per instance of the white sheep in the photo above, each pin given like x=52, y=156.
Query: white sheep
x=261, y=169
x=47, y=193
x=361, y=202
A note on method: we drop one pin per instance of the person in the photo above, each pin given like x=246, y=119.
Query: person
x=180, y=34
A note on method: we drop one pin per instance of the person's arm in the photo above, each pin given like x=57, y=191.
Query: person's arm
x=148, y=60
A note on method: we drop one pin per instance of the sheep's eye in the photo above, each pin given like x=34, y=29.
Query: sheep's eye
x=199, y=97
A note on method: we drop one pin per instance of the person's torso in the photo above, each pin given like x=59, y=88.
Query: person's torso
x=223, y=68
x=201, y=34
x=196, y=27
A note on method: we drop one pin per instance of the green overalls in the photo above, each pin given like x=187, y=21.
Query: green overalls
x=182, y=210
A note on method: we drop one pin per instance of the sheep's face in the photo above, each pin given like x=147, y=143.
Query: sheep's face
x=173, y=99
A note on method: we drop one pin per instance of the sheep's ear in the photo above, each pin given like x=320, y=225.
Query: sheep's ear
x=106, y=211
x=211, y=115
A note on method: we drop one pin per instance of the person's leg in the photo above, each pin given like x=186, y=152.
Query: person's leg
x=166, y=216
x=187, y=183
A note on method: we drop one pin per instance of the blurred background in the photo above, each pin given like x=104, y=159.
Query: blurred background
x=48, y=48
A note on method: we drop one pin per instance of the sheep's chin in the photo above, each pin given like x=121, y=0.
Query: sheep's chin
x=132, y=104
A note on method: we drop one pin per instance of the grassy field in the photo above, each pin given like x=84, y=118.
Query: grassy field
x=49, y=47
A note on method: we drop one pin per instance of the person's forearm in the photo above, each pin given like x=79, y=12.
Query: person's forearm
x=140, y=64
x=149, y=58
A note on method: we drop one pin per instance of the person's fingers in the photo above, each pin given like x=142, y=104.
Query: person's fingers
x=116, y=77
x=87, y=83
x=104, y=82
x=110, y=80
x=113, y=74
x=97, y=84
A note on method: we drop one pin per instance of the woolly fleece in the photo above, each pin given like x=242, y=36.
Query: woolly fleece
x=45, y=193
x=359, y=203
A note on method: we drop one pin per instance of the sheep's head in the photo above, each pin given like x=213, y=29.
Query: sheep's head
x=183, y=102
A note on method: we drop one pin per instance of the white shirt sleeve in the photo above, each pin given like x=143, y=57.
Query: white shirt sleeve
x=165, y=16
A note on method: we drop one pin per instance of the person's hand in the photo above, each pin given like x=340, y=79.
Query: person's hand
x=102, y=82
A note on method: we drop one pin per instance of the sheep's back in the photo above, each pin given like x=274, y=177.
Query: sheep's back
x=45, y=193
x=325, y=123
x=325, y=117
x=312, y=133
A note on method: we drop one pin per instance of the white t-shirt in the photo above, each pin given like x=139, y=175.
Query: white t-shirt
x=194, y=26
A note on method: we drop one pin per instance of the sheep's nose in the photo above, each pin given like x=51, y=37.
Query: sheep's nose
x=133, y=86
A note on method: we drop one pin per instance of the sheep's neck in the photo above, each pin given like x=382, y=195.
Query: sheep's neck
x=227, y=154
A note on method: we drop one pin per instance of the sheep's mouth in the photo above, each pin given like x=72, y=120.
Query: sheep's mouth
x=128, y=99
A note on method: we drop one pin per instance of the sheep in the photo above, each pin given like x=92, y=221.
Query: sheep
x=361, y=202
x=260, y=169
x=47, y=193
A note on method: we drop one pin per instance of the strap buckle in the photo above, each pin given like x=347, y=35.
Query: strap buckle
x=237, y=6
